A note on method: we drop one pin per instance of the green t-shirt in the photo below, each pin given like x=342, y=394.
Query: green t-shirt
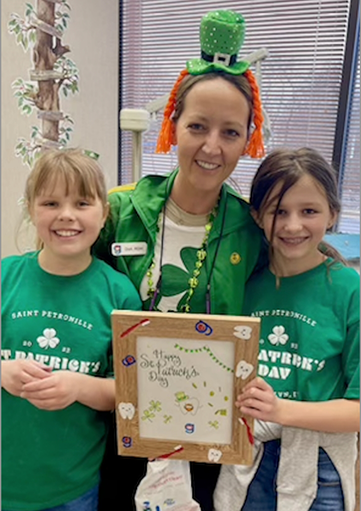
x=310, y=333
x=50, y=458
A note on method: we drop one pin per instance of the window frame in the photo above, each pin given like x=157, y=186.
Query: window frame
x=349, y=73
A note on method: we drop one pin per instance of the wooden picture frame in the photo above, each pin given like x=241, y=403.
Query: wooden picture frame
x=177, y=377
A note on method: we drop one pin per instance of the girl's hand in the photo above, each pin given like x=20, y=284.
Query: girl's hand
x=260, y=402
x=16, y=373
x=56, y=392
x=336, y=416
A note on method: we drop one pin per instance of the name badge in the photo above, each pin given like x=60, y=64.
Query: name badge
x=129, y=249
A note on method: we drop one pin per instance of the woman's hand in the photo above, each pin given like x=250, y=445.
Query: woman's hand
x=17, y=373
x=259, y=401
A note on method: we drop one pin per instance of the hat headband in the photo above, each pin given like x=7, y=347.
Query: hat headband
x=221, y=36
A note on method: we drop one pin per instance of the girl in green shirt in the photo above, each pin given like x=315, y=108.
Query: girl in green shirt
x=309, y=347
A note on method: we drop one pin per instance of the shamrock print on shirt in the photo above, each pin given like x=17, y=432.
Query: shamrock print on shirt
x=48, y=339
x=175, y=281
x=278, y=336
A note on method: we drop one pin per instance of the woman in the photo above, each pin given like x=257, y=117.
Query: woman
x=187, y=240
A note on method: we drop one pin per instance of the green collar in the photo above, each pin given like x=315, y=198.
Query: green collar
x=152, y=191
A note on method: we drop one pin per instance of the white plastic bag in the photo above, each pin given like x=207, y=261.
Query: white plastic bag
x=166, y=487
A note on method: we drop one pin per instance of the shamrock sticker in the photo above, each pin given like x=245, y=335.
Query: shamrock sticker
x=155, y=406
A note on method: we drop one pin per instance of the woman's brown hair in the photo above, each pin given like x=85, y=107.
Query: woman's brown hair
x=245, y=83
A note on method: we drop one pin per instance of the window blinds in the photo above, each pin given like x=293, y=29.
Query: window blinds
x=301, y=78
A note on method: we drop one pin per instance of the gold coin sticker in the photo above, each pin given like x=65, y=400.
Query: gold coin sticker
x=235, y=258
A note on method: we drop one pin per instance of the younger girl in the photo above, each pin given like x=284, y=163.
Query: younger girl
x=56, y=342
x=309, y=348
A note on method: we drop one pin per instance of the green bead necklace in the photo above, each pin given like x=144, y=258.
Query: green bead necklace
x=193, y=282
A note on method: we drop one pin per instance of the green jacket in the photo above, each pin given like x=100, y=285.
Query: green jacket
x=133, y=218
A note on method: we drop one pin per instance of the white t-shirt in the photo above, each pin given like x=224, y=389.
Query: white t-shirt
x=176, y=237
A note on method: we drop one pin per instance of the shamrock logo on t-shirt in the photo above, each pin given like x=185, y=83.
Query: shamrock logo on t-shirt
x=48, y=339
x=176, y=280
x=278, y=336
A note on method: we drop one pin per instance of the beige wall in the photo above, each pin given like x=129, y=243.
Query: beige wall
x=93, y=37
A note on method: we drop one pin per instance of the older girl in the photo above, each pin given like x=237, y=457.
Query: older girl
x=309, y=349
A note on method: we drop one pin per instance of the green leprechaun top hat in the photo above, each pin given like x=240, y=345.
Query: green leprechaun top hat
x=221, y=36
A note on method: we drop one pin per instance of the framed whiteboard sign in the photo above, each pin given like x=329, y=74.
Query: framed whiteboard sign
x=177, y=377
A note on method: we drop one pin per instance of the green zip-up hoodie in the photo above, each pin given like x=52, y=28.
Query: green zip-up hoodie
x=134, y=216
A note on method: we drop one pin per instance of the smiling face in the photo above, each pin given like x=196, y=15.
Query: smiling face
x=68, y=224
x=302, y=220
x=211, y=134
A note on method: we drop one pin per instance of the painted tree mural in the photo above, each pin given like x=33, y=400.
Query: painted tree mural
x=41, y=31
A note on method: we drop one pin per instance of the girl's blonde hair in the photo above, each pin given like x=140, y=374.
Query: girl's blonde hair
x=70, y=166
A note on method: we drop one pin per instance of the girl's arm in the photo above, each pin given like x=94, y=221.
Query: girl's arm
x=336, y=416
x=62, y=388
x=97, y=393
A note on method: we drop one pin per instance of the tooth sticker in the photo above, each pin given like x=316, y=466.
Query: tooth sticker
x=191, y=406
x=243, y=332
x=214, y=455
x=126, y=410
x=244, y=369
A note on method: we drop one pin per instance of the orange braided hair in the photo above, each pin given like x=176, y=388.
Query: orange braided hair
x=166, y=134
x=255, y=147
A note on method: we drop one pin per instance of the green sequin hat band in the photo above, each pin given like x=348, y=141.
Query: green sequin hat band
x=221, y=36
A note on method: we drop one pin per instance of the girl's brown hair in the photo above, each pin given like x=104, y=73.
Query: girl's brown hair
x=245, y=83
x=287, y=166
